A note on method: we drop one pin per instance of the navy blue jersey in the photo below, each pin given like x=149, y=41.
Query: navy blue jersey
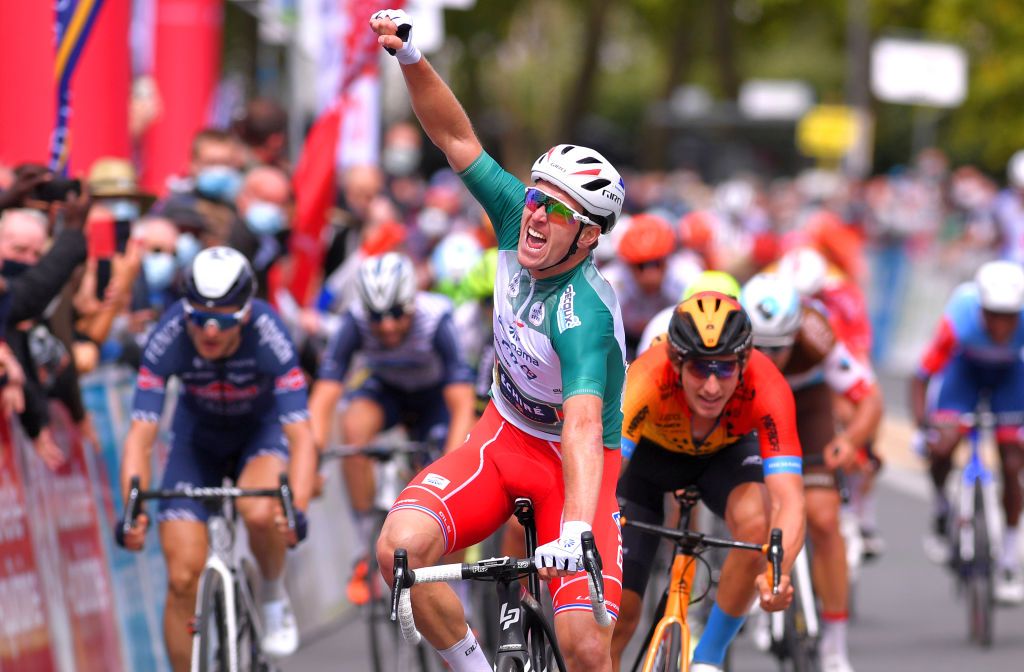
x=430, y=355
x=261, y=380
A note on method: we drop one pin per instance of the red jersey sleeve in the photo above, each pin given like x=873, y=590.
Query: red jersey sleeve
x=939, y=351
x=773, y=413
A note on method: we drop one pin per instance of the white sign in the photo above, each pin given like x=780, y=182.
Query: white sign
x=913, y=72
x=775, y=98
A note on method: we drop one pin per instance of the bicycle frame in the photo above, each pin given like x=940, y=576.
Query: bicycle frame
x=976, y=474
x=677, y=604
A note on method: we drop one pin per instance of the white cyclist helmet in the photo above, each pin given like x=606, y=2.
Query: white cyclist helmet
x=805, y=268
x=387, y=284
x=773, y=305
x=1001, y=286
x=1015, y=169
x=586, y=176
x=220, y=276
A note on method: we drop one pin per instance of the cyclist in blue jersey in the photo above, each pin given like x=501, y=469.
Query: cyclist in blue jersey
x=552, y=429
x=977, y=352
x=417, y=377
x=241, y=413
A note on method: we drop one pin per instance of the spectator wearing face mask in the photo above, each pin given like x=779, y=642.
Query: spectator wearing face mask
x=33, y=279
x=214, y=181
x=264, y=205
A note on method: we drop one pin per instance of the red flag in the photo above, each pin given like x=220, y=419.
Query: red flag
x=314, y=186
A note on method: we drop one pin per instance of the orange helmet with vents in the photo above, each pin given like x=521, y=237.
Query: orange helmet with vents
x=648, y=238
x=710, y=324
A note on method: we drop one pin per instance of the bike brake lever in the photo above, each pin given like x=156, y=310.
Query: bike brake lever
x=775, y=557
x=400, y=580
x=592, y=562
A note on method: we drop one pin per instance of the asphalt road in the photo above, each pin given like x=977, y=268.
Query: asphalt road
x=909, y=617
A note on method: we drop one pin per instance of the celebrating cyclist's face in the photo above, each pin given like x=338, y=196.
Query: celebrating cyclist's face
x=211, y=330
x=548, y=230
x=391, y=328
x=1000, y=326
x=708, y=384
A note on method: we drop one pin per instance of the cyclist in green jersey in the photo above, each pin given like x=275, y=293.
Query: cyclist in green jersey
x=552, y=429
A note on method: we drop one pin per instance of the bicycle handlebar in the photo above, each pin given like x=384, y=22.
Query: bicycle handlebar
x=697, y=542
x=491, y=569
x=378, y=451
x=136, y=496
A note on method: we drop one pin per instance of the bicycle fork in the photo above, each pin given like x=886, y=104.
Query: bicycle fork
x=684, y=566
x=975, y=476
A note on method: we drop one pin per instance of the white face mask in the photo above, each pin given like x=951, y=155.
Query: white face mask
x=187, y=248
x=433, y=222
x=158, y=268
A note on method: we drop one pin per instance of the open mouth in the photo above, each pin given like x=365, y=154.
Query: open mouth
x=535, y=240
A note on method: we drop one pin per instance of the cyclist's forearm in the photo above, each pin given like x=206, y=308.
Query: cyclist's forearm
x=441, y=115
x=918, y=390
x=138, y=447
x=788, y=514
x=461, y=402
x=582, y=457
x=322, y=402
x=865, y=420
x=302, y=462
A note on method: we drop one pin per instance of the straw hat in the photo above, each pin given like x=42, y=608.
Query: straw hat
x=115, y=178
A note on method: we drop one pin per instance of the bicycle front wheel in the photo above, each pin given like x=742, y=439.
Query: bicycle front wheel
x=980, y=598
x=800, y=645
x=211, y=648
x=668, y=651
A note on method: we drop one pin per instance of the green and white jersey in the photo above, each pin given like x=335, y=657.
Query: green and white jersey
x=553, y=338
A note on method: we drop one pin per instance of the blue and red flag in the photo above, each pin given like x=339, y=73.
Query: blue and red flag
x=73, y=21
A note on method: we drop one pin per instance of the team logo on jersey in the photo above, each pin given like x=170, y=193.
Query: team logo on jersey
x=513, y=287
x=436, y=480
x=291, y=381
x=567, y=318
x=537, y=313
x=147, y=380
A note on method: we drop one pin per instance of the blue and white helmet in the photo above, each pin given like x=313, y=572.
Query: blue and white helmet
x=586, y=176
x=220, y=276
x=773, y=305
x=387, y=281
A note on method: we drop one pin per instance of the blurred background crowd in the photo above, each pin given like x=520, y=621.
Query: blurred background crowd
x=133, y=133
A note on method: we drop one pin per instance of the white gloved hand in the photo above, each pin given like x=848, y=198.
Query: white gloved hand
x=565, y=552
x=408, y=54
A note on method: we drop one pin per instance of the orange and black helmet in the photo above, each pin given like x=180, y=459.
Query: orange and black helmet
x=709, y=324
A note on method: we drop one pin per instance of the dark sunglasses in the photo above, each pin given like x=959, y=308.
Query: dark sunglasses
x=202, y=318
x=394, y=312
x=705, y=368
x=654, y=263
x=535, y=198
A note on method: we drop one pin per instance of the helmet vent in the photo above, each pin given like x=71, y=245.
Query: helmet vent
x=599, y=183
x=590, y=159
x=567, y=149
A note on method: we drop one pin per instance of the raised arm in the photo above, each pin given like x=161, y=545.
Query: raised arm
x=439, y=112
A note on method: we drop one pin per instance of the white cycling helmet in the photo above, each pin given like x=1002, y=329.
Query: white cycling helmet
x=586, y=176
x=220, y=276
x=1001, y=286
x=805, y=268
x=773, y=305
x=1015, y=169
x=386, y=282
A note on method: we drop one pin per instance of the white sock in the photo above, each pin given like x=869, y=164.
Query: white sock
x=466, y=656
x=833, y=636
x=1011, y=549
x=273, y=590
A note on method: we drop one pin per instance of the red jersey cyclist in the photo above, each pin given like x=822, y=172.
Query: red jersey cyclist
x=704, y=409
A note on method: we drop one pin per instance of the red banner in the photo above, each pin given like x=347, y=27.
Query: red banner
x=24, y=635
x=187, y=35
x=84, y=572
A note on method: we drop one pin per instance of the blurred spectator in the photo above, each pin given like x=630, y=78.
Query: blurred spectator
x=1008, y=211
x=215, y=178
x=263, y=129
x=360, y=185
x=649, y=275
x=264, y=205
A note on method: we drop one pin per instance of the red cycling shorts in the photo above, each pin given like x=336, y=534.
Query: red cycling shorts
x=470, y=492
